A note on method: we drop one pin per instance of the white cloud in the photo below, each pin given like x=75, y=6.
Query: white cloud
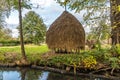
x=13, y=18
x=43, y=3
x=15, y=33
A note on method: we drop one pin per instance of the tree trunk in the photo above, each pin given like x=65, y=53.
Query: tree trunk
x=115, y=21
x=21, y=32
x=23, y=74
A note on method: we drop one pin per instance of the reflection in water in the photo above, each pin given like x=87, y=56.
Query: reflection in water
x=1, y=75
x=44, y=76
x=11, y=75
x=30, y=74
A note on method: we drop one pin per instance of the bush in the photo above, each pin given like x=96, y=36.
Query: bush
x=9, y=42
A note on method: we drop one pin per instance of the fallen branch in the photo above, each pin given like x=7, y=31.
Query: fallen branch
x=105, y=69
x=79, y=74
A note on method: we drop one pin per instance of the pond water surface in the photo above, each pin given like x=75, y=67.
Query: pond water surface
x=32, y=74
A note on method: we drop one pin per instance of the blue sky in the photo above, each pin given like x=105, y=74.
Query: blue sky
x=49, y=10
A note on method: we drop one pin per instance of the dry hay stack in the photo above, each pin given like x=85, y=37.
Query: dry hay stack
x=66, y=34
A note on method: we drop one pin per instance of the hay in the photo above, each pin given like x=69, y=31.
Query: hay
x=66, y=34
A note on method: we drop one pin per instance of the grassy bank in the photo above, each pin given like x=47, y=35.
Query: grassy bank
x=12, y=53
x=95, y=59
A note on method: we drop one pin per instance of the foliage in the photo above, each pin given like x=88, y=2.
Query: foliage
x=2, y=58
x=8, y=5
x=101, y=32
x=115, y=21
x=1, y=20
x=114, y=58
x=118, y=7
x=9, y=43
x=100, y=23
x=14, y=4
x=116, y=49
x=67, y=59
x=5, y=33
x=4, y=10
x=71, y=60
x=33, y=28
x=100, y=55
x=114, y=62
x=82, y=4
x=90, y=8
x=108, y=57
x=89, y=62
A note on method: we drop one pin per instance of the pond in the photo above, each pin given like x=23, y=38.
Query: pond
x=32, y=74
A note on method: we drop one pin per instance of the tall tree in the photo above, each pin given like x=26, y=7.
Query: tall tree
x=115, y=21
x=21, y=32
x=7, y=6
x=34, y=28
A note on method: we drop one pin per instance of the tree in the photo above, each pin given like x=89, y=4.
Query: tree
x=1, y=20
x=6, y=7
x=95, y=6
x=9, y=5
x=94, y=11
x=21, y=33
x=3, y=10
x=6, y=34
x=101, y=32
x=115, y=21
x=34, y=28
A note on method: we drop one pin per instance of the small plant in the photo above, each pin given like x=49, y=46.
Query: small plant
x=2, y=58
x=117, y=49
x=114, y=62
x=89, y=62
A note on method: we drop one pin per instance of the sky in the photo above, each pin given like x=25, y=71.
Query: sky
x=49, y=10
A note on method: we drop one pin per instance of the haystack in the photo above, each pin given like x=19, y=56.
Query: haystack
x=66, y=34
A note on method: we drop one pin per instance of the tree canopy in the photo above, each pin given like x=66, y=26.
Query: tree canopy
x=98, y=7
x=34, y=28
x=96, y=14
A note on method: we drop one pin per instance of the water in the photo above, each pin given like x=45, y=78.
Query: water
x=31, y=74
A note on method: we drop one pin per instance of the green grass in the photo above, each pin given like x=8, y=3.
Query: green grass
x=30, y=49
x=12, y=53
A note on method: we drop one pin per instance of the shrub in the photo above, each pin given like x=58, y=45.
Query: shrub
x=9, y=42
x=89, y=62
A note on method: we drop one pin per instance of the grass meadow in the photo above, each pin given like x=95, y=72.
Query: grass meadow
x=12, y=53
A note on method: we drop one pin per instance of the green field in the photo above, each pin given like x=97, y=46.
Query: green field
x=28, y=48
x=12, y=53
